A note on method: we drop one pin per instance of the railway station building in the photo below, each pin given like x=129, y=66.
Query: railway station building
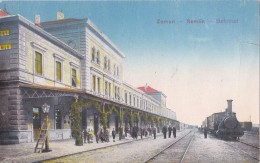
x=58, y=62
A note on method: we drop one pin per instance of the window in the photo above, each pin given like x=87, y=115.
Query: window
x=118, y=93
x=109, y=89
x=93, y=53
x=106, y=89
x=114, y=69
x=58, y=118
x=108, y=65
x=126, y=97
x=98, y=86
x=38, y=63
x=94, y=83
x=117, y=71
x=130, y=99
x=115, y=92
x=73, y=77
x=98, y=57
x=134, y=101
x=105, y=63
x=58, y=71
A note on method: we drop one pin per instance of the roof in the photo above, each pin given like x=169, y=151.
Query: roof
x=91, y=26
x=148, y=89
x=3, y=13
x=66, y=89
x=59, y=21
x=42, y=33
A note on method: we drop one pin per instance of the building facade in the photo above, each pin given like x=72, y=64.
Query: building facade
x=35, y=68
x=53, y=62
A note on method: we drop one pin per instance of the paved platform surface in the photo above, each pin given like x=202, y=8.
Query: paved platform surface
x=25, y=152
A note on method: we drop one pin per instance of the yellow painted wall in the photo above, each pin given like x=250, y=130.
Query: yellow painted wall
x=48, y=77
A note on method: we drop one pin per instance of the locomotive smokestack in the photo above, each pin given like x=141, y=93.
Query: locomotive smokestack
x=229, y=103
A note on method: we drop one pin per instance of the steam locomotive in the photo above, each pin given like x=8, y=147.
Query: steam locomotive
x=224, y=124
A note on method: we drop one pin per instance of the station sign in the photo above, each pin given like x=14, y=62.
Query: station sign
x=5, y=46
x=5, y=32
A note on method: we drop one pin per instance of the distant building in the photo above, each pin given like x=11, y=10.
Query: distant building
x=3, y=13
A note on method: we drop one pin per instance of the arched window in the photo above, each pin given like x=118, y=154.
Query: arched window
x=93, y=53
x=105, y=62
x=108, y=64
x=114, y=69
x=98, y=57
x=117, y=71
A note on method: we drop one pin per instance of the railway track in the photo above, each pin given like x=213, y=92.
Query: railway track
x=245, y=151
x=161, y=152
x=248, y=144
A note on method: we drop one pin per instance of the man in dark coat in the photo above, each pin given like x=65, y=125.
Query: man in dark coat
x=113, y=135
x=101, y=136
x=174, y=132
x=170, y=131
x=141, y=131
x=164, y=130
x=154, y=133
x=205, y=132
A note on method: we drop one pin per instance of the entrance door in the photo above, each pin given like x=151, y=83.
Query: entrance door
x=116, y=124
x=36, y=123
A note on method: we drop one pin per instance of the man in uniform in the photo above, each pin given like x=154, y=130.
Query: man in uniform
x=113, y=135
x=170, y=131
x=164, y=130
x=174, y=132
x=205, y=132
x=154, y=132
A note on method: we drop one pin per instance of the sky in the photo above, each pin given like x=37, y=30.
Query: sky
x=199, y=53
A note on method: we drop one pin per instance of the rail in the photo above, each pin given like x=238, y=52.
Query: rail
x=164, y=149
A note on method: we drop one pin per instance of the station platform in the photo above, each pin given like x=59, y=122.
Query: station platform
x=25, y=152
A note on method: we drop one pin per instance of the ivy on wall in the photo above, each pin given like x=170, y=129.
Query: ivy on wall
x=77, y=106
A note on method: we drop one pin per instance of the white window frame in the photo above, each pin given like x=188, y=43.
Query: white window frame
x=40, y=49
x=60, y=59
x=76, y=67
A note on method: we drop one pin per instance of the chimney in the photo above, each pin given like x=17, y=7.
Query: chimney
x=60, y=15
x=145, y=88
x=229, y=102
x=37, y=19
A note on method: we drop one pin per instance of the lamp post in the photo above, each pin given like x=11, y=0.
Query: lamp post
x=45, y=109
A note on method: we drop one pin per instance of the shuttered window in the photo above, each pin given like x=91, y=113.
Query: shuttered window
x=58, y=71
x=38, y=63
x=74, y=77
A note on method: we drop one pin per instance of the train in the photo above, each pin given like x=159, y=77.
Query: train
x=246, y=126
x=224, y=124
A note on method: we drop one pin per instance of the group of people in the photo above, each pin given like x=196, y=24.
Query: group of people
x=88, y=136
x=170, y=129
x=104, y=136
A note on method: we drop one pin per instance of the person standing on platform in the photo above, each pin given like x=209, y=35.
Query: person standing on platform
x=97, y=136
x=164, y=130
x=170, y=131
x=174, y=132
x=141, y=131
x=154, y=132
x=85, y=135
x=113, y=135
x=205, y=132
